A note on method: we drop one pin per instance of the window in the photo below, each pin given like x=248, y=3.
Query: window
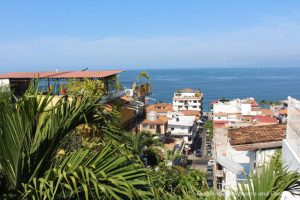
x=152, y=127
x=180, y=101
x=195, y=101
x=194, y=106
x=145, y=126
x=179, y=106
x=177, y=119
x=172, y=129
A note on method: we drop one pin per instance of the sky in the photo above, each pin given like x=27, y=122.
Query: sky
x=136, y=34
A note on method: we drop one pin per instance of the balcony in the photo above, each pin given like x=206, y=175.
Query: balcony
x=112, y=95
x=219, y=173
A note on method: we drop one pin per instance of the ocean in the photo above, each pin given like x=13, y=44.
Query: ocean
x=272, y=84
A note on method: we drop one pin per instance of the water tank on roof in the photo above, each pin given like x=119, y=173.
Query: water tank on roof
x=152, y=115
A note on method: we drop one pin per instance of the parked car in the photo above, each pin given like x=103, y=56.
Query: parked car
x=198, y=153
x=210, y=163
x=208, y=145
x=209, y=173
x=210, y=183
x=209, y=168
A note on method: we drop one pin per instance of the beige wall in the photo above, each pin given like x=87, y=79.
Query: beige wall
x=126, y=115
x=146, y=127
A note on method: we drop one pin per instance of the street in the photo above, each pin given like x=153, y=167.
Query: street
x=200, y=162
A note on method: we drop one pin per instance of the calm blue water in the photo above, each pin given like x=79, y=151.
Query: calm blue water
x=261, y=83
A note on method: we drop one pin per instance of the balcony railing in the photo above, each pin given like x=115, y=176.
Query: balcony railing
x=112, y=95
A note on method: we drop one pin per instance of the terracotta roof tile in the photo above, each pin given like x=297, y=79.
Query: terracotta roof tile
x=160, y=108
x=267, y=112
x=256, y=134
x=283, y=112
x=62, y=74
x=264, y=119
x=190, y=112
x=160, y=121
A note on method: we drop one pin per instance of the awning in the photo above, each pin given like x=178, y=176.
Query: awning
x=230, y=164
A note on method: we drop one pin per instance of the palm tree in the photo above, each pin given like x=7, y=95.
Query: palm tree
x=268, y=182
x=31, y=135
x=146, y=146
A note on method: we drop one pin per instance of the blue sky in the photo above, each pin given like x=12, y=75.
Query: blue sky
x=40, y=35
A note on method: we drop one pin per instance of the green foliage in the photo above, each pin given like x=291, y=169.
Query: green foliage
x=180, y=183
x=87, y=174
x=5, y=97
x=31, y=135
x=143, y=74
x=267, y=183
x=87, y=87
x=209, y=126
x=268, y=103
x=144, y=144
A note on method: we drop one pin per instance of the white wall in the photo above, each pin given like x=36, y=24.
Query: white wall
x=291, y=145
x=246, y=109
x=189, y=99
x=179, y=130
x=227, y=107
x=290, y=157
x=264, y=155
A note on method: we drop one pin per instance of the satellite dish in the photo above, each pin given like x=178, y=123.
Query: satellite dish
x=128, y=92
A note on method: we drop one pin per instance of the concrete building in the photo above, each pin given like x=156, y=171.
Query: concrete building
x=236, y=106
x=160, y=108
x=180, y=125
x=291, y=144
x=154, y=123
x=188, y=99
x=241, y=150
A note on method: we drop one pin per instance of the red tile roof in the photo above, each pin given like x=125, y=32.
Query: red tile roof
x=257, y=134
x=283, y=112
x=160, y=121
x=267, y=112
x=29, y=74
x=264, y=119
x=160, y=107
x=190, y=112
x=62, y=74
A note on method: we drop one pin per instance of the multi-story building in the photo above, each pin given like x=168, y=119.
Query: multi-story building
x=188, y=99
x=154, y=123
x=240, y=151
x=180, y=125
x=243, y=106
x=291, y=144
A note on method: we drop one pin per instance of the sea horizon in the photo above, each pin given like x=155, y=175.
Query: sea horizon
x=272, y=83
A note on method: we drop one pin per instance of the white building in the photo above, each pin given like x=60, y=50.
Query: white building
x=228, y=117
x=235, y=106
x=180, y=125
x=187, y=99
x=242, y=150
x=291, y=144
